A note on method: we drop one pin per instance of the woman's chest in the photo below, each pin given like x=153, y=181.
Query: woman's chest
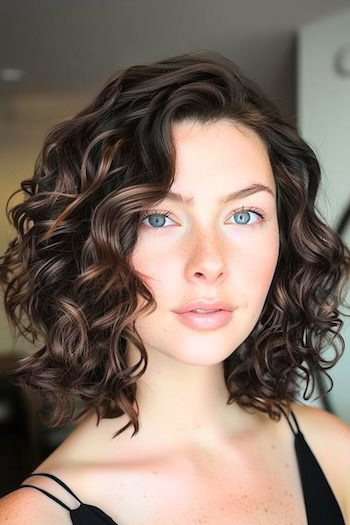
x=266, y=503
x=255, y=492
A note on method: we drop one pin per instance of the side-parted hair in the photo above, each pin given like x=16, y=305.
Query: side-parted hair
x=67, y=276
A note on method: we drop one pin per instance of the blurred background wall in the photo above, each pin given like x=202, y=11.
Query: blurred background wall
x=323, y=109
x=55, y=55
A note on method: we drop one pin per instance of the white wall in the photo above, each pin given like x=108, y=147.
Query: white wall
x=324, y=121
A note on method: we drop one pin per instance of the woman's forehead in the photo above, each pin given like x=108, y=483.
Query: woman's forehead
x=219, y=154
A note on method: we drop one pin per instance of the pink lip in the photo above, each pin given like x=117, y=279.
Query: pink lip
x=209, y=321
x=205, y=305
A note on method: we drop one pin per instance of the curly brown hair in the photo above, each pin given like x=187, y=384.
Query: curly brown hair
x=68, y=270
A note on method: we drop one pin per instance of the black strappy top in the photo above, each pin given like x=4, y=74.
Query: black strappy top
x=320, y=503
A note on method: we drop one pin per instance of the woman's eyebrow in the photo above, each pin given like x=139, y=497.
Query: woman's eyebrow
x=244, y=192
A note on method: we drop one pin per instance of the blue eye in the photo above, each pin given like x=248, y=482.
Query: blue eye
x=155, y=213
x=158, y=223
x=245, y=214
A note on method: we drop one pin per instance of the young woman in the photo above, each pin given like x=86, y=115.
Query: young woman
x=170, y=256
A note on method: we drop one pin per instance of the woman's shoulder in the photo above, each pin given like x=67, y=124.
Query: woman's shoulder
x=328, y=436
x=80, y=462
x=27, y=506
x=326, y=433
x=30, y=506
x=322, y=426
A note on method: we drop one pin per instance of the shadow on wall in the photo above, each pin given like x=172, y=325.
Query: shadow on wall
x=24, y=441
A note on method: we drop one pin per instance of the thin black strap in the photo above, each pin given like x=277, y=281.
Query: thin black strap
x=57, y=481
x=47, y=494
x=295, y=432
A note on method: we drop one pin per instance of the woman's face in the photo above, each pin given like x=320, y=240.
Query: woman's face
x=209, y=249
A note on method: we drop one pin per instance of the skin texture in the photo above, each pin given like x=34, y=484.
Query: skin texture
x=201, y=251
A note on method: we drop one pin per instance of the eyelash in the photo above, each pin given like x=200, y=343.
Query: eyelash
x=166, y=214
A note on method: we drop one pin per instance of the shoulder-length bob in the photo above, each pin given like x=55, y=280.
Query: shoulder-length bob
x=68, y=269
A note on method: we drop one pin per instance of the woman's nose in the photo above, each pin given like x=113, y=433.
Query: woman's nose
x=207, y=257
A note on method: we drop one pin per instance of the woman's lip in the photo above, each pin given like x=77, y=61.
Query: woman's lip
x=204, y=305
x=209, y=321
x=209, y=311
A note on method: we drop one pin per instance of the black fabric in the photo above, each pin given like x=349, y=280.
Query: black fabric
x=320, y=503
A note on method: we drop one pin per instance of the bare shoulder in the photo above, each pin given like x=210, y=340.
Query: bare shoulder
x=329, y=438
x=324, y=428
x=27, y=506
x=30, y=506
